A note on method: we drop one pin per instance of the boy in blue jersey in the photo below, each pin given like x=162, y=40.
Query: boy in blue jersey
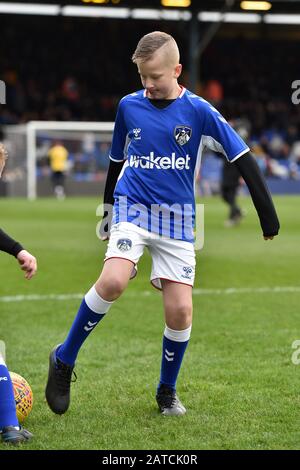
x=158, y=139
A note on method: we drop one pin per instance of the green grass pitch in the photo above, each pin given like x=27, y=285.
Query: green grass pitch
x=238, y=382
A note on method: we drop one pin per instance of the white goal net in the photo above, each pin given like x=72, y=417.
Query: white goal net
x=28, y=172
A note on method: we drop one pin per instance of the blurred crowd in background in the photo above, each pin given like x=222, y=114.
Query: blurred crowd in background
x=64, y=69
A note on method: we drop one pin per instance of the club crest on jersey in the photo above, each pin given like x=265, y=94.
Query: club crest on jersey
x=124, y=244
x=182, y=134
x=137, y=133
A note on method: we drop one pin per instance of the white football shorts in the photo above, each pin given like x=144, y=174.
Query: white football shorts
x=172, y=259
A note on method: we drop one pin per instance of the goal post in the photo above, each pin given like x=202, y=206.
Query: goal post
x=28, y=145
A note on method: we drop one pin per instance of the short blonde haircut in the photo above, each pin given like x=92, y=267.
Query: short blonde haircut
x=3, y=154
x=150, y=43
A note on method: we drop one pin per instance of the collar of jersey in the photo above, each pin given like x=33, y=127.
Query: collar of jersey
x=167, y=107
x=183, y=90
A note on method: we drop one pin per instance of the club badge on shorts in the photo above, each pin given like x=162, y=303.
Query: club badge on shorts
x=182, y=134
x=124, y=244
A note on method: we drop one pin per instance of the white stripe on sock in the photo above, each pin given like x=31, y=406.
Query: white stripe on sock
x=178, y=336
x=96, y=303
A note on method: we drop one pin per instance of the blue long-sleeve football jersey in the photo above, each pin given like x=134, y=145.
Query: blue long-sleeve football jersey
x=163, y=149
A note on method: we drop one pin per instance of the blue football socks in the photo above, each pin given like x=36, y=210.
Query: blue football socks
x=8, y=416
x=90, y=313
x=174, y=346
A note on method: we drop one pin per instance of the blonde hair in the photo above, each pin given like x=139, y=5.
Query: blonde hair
x=3, y=154
x=150, y=43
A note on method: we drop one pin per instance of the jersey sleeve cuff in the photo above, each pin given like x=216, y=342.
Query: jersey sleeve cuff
x=118, y=160
x=240, y=155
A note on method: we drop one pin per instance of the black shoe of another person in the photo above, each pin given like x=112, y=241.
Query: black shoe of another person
x=11, y=435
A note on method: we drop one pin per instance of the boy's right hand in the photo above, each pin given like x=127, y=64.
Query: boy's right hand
x=105, y=227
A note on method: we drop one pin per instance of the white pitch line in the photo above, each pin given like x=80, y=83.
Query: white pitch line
x=247, y=290
x=37, y=297
x=146, y=293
